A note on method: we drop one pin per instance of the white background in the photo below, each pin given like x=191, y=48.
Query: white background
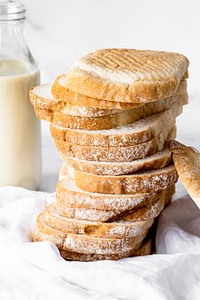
x=60, y=31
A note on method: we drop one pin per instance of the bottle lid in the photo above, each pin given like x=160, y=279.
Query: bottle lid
x=11, y=11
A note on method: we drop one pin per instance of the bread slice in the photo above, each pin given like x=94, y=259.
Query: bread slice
x=82, y=243
x=158, y=125
x=42, y=98
x=95, y=229
x=143, y=248
x=127, y=75
x=141, y=182
x=156, y=161
x=187, y=163
x=113, y=154
x=67, y=118
x=43, y=233
x=148, y=211
x=109, y=121
x=68, y=195
x=62, y=93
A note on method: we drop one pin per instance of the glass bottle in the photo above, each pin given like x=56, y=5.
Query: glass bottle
x=20, y=134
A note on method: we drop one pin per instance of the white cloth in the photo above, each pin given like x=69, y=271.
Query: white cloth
x=36, y=271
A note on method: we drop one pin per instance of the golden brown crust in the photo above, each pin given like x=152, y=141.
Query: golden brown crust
x=151, y=209
x=156, y=161
x=98, y=138
x=96, y=229
x=45, y=101
x=158, y=125
x=127, y=184
x=127, y=75
x=187, y=162
x=44, y=114
x=84, y=244
x=68, y=195
x=144, y=249
x=109, y=121
x=63, y=94
x=146, y=212
x=112, y=154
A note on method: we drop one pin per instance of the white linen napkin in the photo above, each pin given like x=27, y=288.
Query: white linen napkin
x=36, y=271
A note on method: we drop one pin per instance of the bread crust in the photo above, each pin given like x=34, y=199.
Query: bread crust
x=112, y=154
x=62, y=93
x=95, y=229
x=140, y=76
x=68, y=195
x=109, y=121
x=42, y=98
x=85, y=244
x=144, y=249
x=156, y=161
x=156, y=126
x=141, y=182
x=99, y=139
x=187, y=162
x=148, y=211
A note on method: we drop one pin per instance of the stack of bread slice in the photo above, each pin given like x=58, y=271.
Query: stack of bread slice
x=112, y=117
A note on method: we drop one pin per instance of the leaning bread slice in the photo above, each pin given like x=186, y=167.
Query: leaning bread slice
x=42, y=98
x=68, y=195
x=60, y=118
x=96, y=229
x=187, y=163
x=62, y=93
x=143, y=248
x=148, y=211
x=82, y=243
x=156, y=161
x=141, y=182
x=113, y=154
x=158, y=125
x=127, y=75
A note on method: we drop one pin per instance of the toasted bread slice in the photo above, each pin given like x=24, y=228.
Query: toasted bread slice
x=68, y=195
x=108, y=121
x=96, y=229
x=82, y=243
x=62, y=93
x=127, y=75
x=156, y=161
x=187, y=163
x=158, y=125
x=143, y=248
x=141, y=182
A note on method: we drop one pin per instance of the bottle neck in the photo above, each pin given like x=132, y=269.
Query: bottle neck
x=12, y=42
